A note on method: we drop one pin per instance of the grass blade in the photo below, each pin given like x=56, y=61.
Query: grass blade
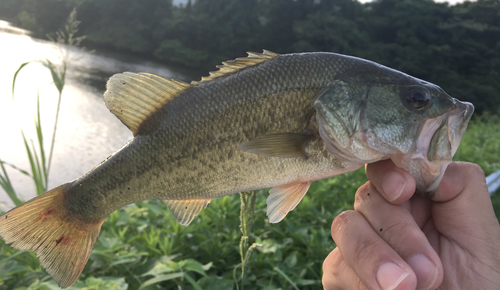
x=286, y=277
x=17, y=72
x=42, y=163
x=34, y=165
x=6, y=184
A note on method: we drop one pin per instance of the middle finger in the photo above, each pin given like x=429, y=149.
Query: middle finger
x=397, y=227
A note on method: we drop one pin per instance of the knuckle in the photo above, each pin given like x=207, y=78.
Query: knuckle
x=338, y=275
x=333, y=262
x=403, y=233
x=360, y=285
x=363, y=194
x=333, y=268
x=475, y=170
x=394, y=230
x=341, y=221
x=365, y=249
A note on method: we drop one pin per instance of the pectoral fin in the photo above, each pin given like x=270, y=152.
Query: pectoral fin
x=278, y=145
x=185, y=211
x=285, y=198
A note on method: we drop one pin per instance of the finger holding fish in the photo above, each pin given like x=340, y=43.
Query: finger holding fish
x=403, y=234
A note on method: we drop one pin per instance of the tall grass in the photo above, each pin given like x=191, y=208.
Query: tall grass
x=38, y=159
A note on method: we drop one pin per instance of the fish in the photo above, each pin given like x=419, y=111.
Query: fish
x=268, y=120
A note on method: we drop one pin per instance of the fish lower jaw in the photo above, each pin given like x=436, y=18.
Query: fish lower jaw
x=427, y=174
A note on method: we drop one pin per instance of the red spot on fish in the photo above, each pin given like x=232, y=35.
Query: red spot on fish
x=58, y=241
x=43, y=216
x=66, y=241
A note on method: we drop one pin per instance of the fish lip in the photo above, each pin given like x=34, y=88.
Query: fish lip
x=460, y=115
x=432, y=172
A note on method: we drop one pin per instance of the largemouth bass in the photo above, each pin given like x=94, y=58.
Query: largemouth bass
x=266, y=120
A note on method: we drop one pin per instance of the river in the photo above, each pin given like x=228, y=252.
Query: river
x=87, y=132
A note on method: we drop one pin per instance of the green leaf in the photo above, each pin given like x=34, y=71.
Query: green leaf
x=192, y=265
x=58, y=77
x=161, y=278
x=291, y=260
x=214, y=282
x=160, y=268
x=193, y=282
x=122, y=261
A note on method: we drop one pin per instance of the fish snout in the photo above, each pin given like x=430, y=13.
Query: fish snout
x=438, y=142
x=458, y=119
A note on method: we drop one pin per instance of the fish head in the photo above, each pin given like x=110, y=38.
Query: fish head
x=391, y=115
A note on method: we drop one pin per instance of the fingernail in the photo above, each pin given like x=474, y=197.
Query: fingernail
x=393, y=185
x=424, y=269
x=390, y=275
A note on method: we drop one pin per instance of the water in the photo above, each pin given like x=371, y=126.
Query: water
x=87, y=132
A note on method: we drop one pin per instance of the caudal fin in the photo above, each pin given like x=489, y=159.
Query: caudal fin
x=61, y=241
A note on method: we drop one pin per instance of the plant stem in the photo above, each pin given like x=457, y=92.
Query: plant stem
x=247, y=214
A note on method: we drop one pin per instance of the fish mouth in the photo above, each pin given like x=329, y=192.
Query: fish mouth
x=437, y=143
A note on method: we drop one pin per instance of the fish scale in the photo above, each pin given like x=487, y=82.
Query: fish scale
x=267, y=120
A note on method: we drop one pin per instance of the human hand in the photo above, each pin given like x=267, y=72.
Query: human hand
x=394, y=239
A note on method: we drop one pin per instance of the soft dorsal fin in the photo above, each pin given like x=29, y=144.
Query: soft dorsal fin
x=233, y=66
x=186, y=210
x=133, y=97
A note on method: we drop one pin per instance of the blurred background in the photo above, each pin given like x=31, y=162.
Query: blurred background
x=453, y=44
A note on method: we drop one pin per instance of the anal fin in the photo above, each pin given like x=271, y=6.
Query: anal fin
x=185, y=210
x=284, y=198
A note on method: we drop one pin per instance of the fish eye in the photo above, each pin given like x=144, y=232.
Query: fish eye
x=417, y=98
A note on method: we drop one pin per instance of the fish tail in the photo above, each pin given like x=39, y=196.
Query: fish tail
x=62, y=242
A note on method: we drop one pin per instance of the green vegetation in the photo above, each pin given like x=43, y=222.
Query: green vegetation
x=143, y=245
x=481, y=143
x=456, y=47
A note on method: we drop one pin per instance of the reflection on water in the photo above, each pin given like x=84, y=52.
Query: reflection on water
x=87, y=132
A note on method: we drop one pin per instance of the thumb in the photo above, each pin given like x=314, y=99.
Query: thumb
x=463, y=204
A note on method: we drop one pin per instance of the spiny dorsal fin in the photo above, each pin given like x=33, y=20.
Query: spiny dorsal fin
x=233, y=66
x=133, y=97
x=186, y=210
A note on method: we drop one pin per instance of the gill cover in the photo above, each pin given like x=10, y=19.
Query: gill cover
x=339, y=110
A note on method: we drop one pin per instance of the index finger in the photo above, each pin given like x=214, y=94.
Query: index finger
x=394, y=183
